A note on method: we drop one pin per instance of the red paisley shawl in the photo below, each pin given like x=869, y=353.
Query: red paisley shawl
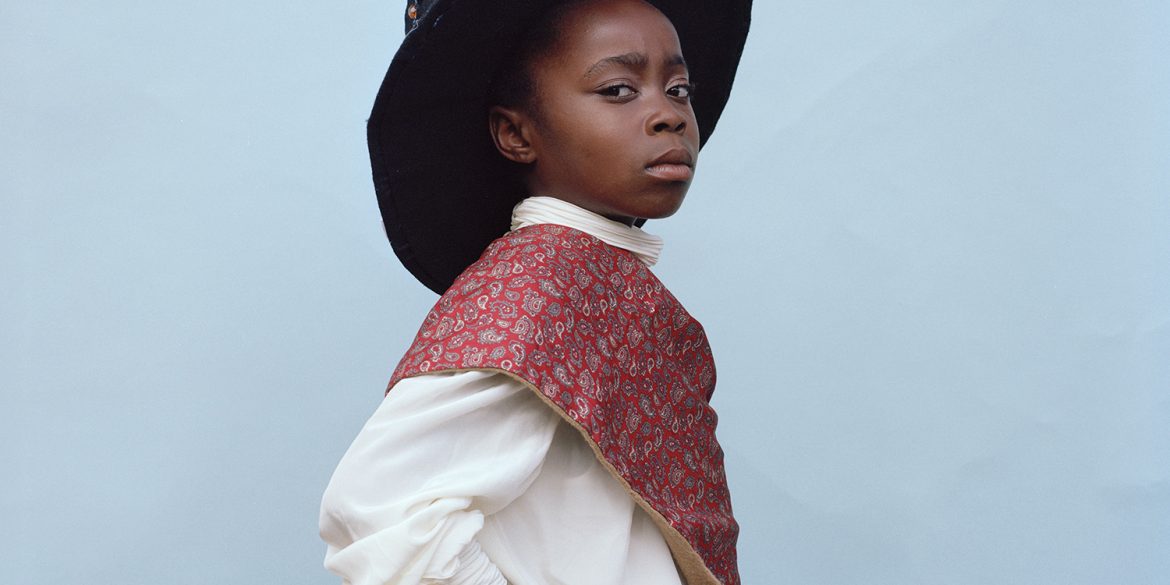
x=598, y=337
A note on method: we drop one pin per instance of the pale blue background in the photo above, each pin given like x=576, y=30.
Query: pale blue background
x=930, y=242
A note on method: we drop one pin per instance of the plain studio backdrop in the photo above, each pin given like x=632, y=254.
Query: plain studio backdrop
x=930, y=242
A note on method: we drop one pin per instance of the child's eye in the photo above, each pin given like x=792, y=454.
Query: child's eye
x=682, y=90
x=618, y=91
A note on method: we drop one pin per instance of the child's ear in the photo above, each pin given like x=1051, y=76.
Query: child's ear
x=510, y=130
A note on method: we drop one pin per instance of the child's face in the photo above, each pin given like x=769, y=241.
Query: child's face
x=613, y=130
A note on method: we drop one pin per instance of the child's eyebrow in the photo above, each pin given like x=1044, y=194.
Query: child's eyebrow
x=631, y=60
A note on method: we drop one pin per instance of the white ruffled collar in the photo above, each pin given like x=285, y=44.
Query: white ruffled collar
x=537, y=210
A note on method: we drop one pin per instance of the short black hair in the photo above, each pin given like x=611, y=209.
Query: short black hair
x=513, y=85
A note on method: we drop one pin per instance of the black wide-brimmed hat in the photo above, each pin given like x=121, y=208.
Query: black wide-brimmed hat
x=444, y=191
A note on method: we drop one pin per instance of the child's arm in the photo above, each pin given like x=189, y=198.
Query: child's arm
x=410, y=494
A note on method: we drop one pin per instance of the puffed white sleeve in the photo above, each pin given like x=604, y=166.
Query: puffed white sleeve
x=441, y=452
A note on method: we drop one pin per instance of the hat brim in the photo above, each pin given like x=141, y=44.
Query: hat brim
x=443, y=190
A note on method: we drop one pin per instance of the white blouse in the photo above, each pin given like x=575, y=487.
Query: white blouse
x=470, y=479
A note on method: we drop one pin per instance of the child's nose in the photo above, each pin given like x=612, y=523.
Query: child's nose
x=667, y=118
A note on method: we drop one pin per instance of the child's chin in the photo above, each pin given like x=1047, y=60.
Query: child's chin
x=665, y=205
x=659, y=213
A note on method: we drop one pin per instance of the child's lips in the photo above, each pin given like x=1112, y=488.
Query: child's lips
x=676, y=164
x=671, y=171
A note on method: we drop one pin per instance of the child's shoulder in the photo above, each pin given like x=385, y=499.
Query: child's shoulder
x=554, y=260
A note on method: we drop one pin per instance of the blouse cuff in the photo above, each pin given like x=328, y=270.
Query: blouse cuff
x=475, y=568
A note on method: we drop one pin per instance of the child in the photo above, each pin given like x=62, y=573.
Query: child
x=550, y=423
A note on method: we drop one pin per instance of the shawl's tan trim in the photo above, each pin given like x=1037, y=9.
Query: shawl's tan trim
x=690, y=564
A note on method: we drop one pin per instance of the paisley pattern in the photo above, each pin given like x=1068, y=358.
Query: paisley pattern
x=595, y=332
